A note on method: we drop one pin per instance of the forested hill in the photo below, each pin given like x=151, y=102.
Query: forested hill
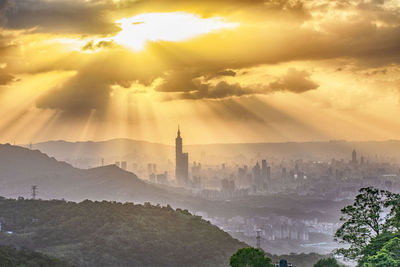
x=10, y=257
x=114, y=234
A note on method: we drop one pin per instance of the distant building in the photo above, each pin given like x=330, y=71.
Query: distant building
x=264, y=168
x=162, y=178
x=354, y=157
x=181, y=161
x=151, y=168
x=228, y=185
x=152, y=178
x=257, y=177
x=284, y=263
x=123, y=165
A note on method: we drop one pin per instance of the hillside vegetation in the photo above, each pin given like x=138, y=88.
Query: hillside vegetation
x=10, y=257
x=115, y=234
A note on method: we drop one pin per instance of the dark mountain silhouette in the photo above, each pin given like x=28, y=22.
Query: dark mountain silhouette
x=20, y=168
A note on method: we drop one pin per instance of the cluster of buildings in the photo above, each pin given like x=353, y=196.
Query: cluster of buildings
x=334, y=179
x=269, y=227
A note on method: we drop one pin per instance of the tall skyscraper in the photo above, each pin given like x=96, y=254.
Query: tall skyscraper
x=354, y=156
x=182, y=162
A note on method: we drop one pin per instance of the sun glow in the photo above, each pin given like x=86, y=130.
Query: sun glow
x=173, y=26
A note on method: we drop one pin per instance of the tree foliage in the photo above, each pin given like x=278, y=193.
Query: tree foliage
x=388, y=256
x=329, y=262
x=365, y=220
x=375, y=245
x=250, y=257
x=10, y=256
x=115, y=234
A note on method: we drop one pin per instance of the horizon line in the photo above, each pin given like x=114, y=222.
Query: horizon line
x=203, y=144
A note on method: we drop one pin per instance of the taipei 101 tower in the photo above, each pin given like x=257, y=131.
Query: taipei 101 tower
x=182, y=162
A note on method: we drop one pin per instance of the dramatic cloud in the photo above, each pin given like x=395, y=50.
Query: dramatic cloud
x=275, y=67
x=90, y=88
x=191, y=86
x=180, y=81
x=80, y=37
x=294, y=81
x=95, y=17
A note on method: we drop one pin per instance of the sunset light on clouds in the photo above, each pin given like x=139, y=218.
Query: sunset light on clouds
x=276, y=70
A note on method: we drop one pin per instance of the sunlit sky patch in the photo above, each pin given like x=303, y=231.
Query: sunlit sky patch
x=173, y=26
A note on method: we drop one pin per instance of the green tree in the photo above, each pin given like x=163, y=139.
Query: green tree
x=250, y=257
x=388, y=256
x=363, y=221
x=375, y=246
x=393, y=219
x=330, y=262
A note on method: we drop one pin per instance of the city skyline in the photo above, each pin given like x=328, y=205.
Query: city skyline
x=233, y=72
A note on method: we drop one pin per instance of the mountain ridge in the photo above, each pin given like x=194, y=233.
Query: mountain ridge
x=23, y=168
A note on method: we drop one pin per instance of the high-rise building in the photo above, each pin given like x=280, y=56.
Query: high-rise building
x=264, y=168
x=182, y=162
x=354, y=157
x=257, y=179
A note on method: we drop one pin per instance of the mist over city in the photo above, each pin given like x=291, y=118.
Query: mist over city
x=234, y=133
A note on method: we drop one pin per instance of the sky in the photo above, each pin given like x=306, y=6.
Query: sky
x=225, y=71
